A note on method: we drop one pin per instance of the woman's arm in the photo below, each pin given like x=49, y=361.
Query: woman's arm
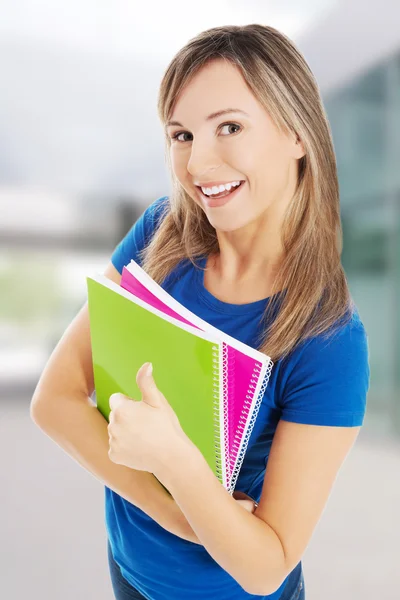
x=62, y=408
x=81, y=431
x=260, y=551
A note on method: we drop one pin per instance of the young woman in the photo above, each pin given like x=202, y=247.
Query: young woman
x=261, y=261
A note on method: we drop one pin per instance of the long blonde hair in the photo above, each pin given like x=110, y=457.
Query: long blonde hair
x=316, y=295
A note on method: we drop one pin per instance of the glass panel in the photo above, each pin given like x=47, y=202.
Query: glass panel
x=41, y=294
x=365, y=123
x=357, y=116
x=366, y=260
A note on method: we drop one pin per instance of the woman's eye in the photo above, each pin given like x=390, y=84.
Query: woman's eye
x=230, y=125
x=177, y=135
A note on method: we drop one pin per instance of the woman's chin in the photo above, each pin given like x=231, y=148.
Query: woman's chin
x=225, y=223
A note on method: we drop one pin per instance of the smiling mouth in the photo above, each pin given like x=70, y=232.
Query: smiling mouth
x=216, y=201
x=221, y=194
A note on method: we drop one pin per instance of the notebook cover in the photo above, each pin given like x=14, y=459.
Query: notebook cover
x=244, y=377
x=124, y=335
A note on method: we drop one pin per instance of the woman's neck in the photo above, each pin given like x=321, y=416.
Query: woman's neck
x=243, y=289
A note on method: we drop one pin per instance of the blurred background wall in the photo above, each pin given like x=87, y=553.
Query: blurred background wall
x=82, y=155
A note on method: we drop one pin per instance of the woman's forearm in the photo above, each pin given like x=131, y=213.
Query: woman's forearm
x=77, y=426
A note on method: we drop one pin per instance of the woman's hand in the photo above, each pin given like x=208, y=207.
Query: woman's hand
x=245, y=501
x=247, y=504
x=146, y=435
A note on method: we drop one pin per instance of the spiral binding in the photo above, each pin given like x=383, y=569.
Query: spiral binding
x=229, y=387
x=239, y=440
x=216, y=411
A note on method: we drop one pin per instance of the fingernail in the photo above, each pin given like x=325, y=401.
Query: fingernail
x=149, y=370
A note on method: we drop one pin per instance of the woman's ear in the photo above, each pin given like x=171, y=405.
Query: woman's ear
x=299, y=151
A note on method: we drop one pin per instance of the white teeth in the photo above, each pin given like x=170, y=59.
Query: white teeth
x=218, y=189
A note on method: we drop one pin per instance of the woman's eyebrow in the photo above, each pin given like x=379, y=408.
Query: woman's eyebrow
x=213, y=115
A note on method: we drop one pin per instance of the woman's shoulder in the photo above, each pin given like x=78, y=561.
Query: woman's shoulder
x=140, y=234
x=326, y=378
x=344, y=342
x=153, y=215
x=346, y=332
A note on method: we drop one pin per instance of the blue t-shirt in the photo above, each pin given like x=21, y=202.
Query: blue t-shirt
x=322, y=382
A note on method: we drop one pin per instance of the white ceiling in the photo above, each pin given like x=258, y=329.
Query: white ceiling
x=350, y=39
x=149, y=29
x=80, y=78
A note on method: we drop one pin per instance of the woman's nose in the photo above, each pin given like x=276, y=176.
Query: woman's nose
x=203, y=159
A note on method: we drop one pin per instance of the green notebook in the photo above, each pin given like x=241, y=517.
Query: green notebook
x=187, y=367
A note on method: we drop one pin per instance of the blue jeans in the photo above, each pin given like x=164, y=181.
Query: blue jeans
x=123, y=590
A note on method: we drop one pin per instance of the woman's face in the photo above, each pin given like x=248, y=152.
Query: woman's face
x=230, y=147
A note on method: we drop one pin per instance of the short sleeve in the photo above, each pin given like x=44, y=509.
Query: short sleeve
x=139, y=235
x=329, y=380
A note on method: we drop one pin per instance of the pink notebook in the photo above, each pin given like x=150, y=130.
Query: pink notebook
x=245, y=371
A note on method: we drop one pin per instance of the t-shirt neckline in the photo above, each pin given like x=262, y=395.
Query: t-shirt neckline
x=224, y=307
